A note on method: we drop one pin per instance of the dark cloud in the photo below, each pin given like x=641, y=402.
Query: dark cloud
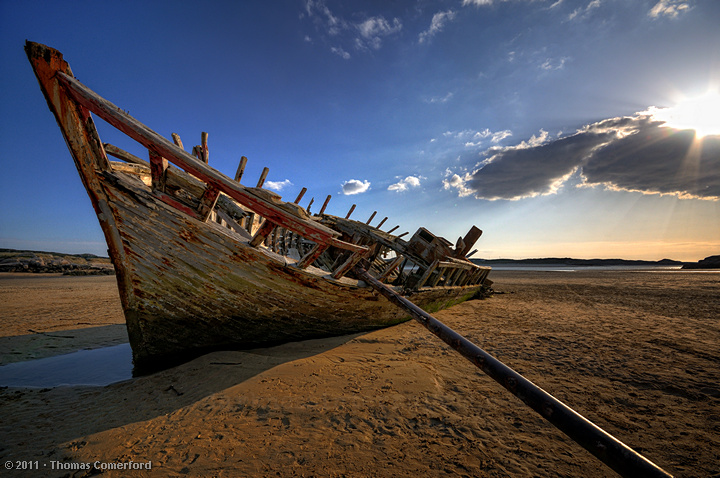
x=634, y=153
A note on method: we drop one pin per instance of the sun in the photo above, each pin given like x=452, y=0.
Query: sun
x=701, y=113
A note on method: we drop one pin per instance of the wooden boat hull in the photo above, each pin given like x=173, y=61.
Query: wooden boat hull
x=194, y=286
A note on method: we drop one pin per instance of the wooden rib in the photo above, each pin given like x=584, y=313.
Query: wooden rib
x=352, y=208
x=381, y=223
x=403, y=234
x=391, y=267
x=241, y=169
x=312, y=200
x=300, y=196
x=426, y=274
x=322, y=209
x=394, y=228
x=177, y=140
x=372, y=216
x=348, y=264
x=263, y=176
x=204, y=147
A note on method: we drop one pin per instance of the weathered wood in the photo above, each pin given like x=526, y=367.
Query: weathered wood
x=263, y=176
x=390, y=268
x=124, y=155
x=158, y=170
x=176, y=139
x=469, y=241
x=327, y=200
x=393, y=229
x=426, y=274
x=352, y=208
x=312, y=200
x=381, y=223
x=241, y=168
x=372, y=216
x=204, y=147
x=300, y=196
x=311, y=255
x=207, y=202
x=351, y=261
x=265, y=229
x=403, y=235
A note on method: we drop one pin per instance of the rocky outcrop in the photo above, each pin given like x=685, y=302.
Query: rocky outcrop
x=48, y=262
x=711, y=262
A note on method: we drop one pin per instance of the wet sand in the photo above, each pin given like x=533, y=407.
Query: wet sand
x=637, y=353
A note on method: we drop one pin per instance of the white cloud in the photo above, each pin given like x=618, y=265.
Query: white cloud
x=355, y=186
x=373, y=29
x=669, y=8
x=277, y=185
x=438, y=22
x=440, y=99
x=405, y=184
x=340, y=52
x=554, y=64
x=477, y=3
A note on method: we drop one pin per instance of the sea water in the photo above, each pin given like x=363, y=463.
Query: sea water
x=95, y=367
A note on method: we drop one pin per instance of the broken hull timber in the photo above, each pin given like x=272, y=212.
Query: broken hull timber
x=188, y=284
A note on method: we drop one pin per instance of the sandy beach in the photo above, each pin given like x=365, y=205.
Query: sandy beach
x=637, y=353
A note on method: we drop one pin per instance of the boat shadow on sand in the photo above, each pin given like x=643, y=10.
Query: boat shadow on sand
x=73, y=412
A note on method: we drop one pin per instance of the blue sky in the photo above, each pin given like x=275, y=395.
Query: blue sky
x=560, y=128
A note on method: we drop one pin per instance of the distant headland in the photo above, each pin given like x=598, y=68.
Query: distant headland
x=712, y=262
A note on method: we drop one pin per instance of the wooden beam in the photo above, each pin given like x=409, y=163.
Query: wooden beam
x=177, y=140
x=352, y=208
x=312, y=255
x=348, y=264
x=391, y=267
x=426, y=274
x=327, y=200
x=124, y=155
x=263, y=176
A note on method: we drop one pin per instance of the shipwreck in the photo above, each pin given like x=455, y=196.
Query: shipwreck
x=203, y=261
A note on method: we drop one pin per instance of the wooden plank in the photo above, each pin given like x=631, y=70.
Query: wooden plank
x=348, y=264
x=241, y=169
x=327, y=200
x=263, y=176
x=158, y=170
x=390, y=268
x=176, y=139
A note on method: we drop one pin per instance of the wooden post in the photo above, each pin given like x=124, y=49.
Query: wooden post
x=391, y=230
x=381, y=223
x=352, y=208
x=300, y=196
x=403, y=234
x=322, y=209
x=177, y=140
x=240, y=169
x=372, y=216
x=204, y=147
x=263, y=176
